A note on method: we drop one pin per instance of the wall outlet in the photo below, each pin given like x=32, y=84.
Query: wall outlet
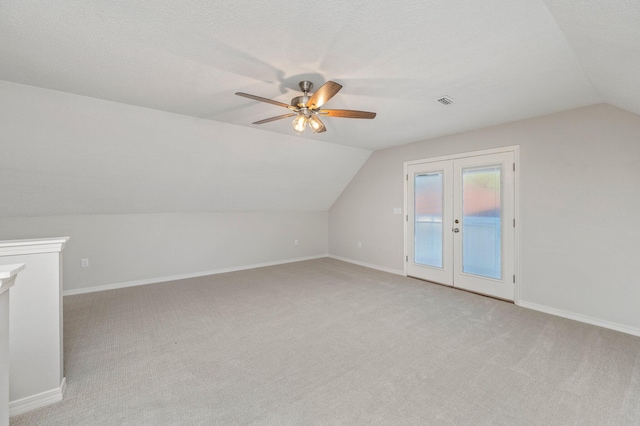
x=84, y=263
x=296, y=242
x=359, y=244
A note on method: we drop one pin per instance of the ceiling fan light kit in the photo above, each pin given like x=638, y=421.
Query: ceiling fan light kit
x=306, y=108
x=316, y=125
x=299, y=123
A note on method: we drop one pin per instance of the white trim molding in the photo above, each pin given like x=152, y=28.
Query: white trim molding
x=581, y=318
x=8, y=275
x=528, y=305
x=41, y=245
x=38, y=400
x=35, y=335
x=368, y=265
x=184, y=276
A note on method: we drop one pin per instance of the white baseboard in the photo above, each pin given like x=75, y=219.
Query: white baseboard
x=38, y=400
x=582, y=318
x=367, y=265
x=184, y=276
x=542, y=308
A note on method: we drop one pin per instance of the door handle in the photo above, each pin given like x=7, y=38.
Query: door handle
x=456, y=230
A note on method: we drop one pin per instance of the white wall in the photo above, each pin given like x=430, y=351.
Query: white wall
x=146, y=194
x=580, y=204
x=145, y=247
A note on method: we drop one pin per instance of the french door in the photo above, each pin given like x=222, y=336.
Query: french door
x=461, y=223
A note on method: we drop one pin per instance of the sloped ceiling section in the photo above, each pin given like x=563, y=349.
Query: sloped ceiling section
x=499, y=60
x=605, y=37
x=66, y=154
x=129, y=107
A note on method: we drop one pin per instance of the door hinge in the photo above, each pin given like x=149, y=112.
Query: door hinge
x=514, y=167
x=406, y=258
x=514, y=279
x=407, y=218
x=514, y=223
x=407, y=178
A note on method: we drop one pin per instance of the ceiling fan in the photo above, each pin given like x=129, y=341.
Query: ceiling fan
x=306, y=108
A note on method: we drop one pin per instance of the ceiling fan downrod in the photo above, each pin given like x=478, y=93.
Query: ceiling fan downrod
x=301, y=101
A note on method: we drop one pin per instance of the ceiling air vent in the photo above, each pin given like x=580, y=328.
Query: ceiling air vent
x=445, y=100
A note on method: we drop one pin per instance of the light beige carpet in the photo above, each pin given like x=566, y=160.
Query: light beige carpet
x=324, y=342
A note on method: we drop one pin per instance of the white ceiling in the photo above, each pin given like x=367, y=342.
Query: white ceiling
x=500, y=60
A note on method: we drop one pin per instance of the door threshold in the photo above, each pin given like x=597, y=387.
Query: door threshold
x=463, y=289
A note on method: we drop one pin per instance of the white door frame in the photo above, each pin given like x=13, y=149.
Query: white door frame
x=516, y=156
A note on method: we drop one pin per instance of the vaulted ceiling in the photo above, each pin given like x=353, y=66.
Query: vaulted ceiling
x=499, y=60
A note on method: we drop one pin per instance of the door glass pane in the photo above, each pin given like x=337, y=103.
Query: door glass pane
x=428, y=219
x=481, y=221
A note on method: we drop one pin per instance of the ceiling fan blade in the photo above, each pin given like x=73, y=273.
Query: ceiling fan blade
x=280, y=117
x=347, y=113
x=323, y=94
x=261, y=99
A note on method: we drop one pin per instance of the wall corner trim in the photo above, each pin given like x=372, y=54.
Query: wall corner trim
x=581, y=318
x=38, y=401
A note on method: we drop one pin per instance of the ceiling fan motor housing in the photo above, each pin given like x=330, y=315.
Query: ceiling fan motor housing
x=300, y=101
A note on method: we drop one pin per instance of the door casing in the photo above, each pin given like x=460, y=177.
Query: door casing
x=515, y=149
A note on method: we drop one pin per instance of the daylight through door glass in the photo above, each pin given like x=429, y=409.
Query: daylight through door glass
x=481, y=221
x=428, y=219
